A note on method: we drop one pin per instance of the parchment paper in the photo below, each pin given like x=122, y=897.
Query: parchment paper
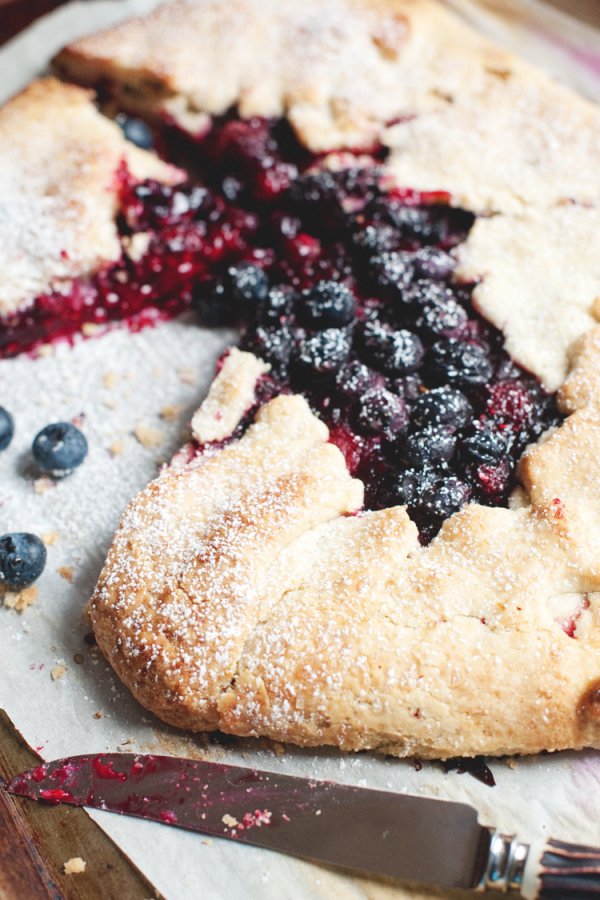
x=116, y=382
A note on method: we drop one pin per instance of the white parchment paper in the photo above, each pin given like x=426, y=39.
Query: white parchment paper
x=117, y=382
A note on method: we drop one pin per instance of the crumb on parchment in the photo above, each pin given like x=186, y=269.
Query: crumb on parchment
x=147, y=435
x=58, y=671
x=66, y=572
x=19, y=600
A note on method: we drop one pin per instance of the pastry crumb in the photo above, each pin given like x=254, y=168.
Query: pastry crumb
x=110, y=403
x=230, y=821
x=206, y=841
x=171, y=411
x=43, y=484
x=50, y=538
x=110, y=380
x=117, y=447
x=58, y=671
x=78, y=658
x=98, y=714
x=66, y=572
x=511, y=762
x=278, y=748
x=187, y=375
x=44, y=351
x=20, y=600
x=147, y=436
x=89, y=329
x=74, y=866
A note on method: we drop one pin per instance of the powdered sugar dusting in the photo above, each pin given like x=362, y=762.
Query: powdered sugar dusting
x=59, y=160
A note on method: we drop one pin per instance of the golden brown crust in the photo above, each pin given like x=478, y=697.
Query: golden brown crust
x=337, y=70
x=59, y=164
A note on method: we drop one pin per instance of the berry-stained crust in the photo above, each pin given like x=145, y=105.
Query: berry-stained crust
x=400, y=301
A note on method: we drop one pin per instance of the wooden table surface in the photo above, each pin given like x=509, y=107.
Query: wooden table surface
x=36, y=840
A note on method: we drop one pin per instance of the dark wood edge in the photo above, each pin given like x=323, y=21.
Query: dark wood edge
x=36, y=840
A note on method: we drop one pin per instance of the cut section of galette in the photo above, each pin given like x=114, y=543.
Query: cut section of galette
x=342, y=566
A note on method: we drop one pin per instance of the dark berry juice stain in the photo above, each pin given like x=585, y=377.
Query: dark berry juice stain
x=345, y=288
x=476, y=767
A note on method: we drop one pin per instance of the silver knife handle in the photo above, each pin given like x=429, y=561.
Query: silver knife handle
x=505, y=864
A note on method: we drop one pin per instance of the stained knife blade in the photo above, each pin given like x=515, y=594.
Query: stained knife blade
x=369, y=831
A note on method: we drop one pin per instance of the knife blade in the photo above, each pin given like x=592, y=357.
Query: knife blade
x=360, y=829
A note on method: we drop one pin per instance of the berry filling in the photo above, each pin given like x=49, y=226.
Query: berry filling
x=344, y=287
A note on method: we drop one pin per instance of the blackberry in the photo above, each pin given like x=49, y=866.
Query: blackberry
x=442, y=406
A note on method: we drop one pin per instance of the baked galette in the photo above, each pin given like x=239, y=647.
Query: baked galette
x=384, y=532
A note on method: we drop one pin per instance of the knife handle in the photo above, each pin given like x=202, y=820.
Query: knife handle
x=564, y=872
x=505, y=864
x=569, y=872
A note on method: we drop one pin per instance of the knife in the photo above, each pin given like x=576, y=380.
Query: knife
x=368, y=831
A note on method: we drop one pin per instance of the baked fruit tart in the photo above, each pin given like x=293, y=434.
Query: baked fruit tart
x=384, y=532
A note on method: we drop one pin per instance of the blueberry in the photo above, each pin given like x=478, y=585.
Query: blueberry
x=459, y=362
x=433, y=263
x=273, y=345
x=485, y=446
x=135, y=131
x=60, y=447
x=409, y=387
x=327, y=304
x=322, y=354
x=381, y=412
x=248, y=283
x=22, y=560
x=7, y=428
x=393, y=352
x=446, y=319
x=410, y=484
x=212, y=302
x=442, y=406
x=439, y=313
x=277, y=305
x=445, y=498
x=354, y=379
x=390, y=273
x=429, y=447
